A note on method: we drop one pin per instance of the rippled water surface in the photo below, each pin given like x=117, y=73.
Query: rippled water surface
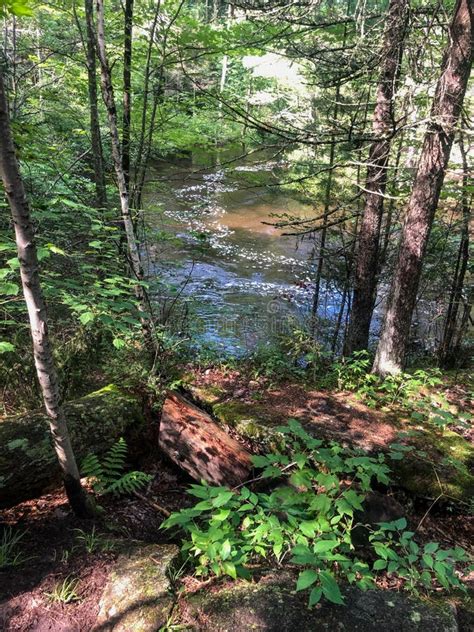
x=241, y=277
x=210, y=242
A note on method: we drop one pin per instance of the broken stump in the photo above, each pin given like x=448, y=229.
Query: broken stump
x=192, y=440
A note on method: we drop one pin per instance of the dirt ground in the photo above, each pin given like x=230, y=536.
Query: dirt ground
x=57, y=547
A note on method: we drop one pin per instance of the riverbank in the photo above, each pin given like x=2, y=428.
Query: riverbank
x=56, y=549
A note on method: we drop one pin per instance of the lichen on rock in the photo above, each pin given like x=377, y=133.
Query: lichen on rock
x=137, y=596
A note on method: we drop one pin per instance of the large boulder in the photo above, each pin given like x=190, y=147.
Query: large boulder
x=273, y=606
x=137, y=595
x=28, y=462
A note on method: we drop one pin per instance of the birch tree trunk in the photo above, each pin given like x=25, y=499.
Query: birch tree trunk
x=366, y=266
x=434, y=157
x=29, y=271
x=96, y=141
x=127, y=95
x=109, y=101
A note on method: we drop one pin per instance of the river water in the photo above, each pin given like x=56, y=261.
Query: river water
x=209, y=242
x=213, y=256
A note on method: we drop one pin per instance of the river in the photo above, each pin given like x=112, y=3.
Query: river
x=212, y=253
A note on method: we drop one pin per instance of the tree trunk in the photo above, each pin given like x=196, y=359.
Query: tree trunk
x=136, y=195
x=109, y=101
x=29, y=271
x=127, y=98
x=146, y=136
x=28, y=464
x=434, y=157
x=195, y=442
x=366, y=267
x=96, y=141
x=327, y=204
x=448, y=350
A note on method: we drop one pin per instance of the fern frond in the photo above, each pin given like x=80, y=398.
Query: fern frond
x=109, y=477
x=91, y=467
x=114, y=462
x=129, y=483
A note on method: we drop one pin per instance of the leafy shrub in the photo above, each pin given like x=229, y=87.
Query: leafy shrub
x=419, y=566
x=307, y=520
x=402, y=389
x=352, y=373
x=109, y=476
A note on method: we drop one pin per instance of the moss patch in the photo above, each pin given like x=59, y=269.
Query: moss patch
x=273, y=606
x=234, y=412
x=446, y=469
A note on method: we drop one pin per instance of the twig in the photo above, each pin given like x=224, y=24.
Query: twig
x=152, y=503
x=429, y=509
x=434, y=501
x=261, y=477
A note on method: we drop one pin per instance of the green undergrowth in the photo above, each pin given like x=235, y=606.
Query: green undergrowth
x=305, y=519
x=431, y=458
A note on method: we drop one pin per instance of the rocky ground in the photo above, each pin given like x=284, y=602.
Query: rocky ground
x=126, y=572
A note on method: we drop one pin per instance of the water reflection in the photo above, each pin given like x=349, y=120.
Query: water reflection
x=243, y=279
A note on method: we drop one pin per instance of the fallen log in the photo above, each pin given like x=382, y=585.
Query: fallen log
x=192, y=440
x=28, y=463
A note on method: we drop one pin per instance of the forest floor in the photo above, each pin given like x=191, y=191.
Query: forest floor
x=57, y=548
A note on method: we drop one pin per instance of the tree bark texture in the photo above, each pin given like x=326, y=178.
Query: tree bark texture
x=366, y=266
x=127, y=93
x=195, y=443
x=419, y=215
x=449, y=350
x=29, y=271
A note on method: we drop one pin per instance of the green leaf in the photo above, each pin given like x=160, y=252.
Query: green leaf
x=306, y=579
x=428, y=560
x=260, y=461
x=315, y=596
x=322, y=546
x=308, y=528
x=380, y=565
x=226, y=549
x=330, y=588
x=229, y=569
x=321, y=503
x=9, y=289
x=222, y=498
x=5, y=347
x=86, y=317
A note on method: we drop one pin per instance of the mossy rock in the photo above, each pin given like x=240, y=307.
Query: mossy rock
x=274, y=606
x=28, y=462
x=447, y=468
x=206, y=395
x=137, y=595
x=416, y=474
